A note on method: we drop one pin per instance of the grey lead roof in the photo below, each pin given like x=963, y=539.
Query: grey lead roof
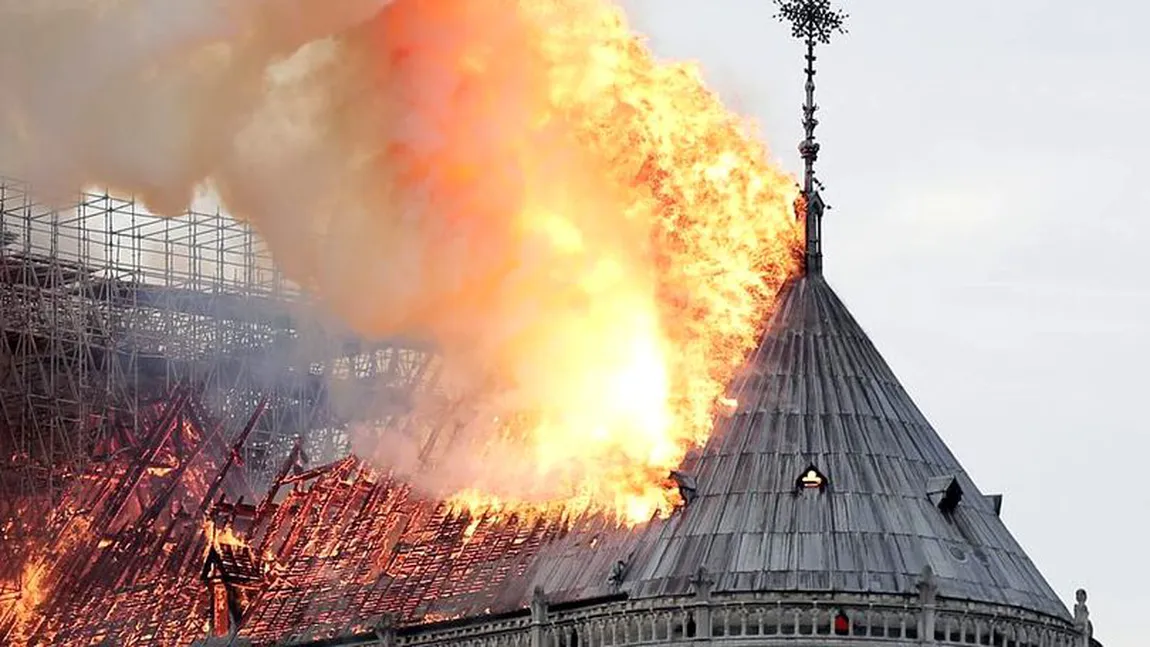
x=816, y=392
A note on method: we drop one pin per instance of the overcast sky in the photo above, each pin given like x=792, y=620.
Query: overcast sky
x=986, y=165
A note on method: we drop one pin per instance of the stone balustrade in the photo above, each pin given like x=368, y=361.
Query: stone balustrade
x=753, y=620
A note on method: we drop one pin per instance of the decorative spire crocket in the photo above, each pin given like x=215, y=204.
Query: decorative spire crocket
x=813, y=21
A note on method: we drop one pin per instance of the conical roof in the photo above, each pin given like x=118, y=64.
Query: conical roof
x=817, y=394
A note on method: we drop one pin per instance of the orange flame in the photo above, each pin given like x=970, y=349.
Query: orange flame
x=37, y=580
x=33, y=591
x=221, y=534
x=643, y=235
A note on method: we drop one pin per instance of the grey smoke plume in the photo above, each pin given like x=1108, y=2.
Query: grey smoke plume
x=147, y=96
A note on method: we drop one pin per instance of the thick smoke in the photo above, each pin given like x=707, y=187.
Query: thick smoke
x=464, y=171
x=145, y=95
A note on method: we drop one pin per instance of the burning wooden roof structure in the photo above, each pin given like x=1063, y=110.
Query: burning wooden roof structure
x=111, y=316
x=341, y=548
x=824, y=511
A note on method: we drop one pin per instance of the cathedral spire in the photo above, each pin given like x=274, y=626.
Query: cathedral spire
x=813, y=21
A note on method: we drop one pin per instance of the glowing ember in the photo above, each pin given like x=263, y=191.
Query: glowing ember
x=136, y=562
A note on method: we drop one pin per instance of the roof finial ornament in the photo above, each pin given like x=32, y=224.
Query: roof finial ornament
x=1082, y=616
x=703, y=583
x=813, y=21
x=927, y=586
x=538, y=605
x=384, y=630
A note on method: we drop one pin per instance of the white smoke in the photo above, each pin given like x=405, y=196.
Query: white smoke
x=147, y=96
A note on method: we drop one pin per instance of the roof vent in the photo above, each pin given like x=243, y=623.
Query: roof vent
x=944, y=492
x=811, y=479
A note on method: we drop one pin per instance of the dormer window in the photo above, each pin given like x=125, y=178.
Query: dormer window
x=996, y=503
x=944, y=492
x=811, y=479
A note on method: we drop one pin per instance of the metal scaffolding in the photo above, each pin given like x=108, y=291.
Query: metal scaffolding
x=107, y=309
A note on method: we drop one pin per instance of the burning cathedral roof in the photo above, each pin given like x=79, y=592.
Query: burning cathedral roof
x=825, y=481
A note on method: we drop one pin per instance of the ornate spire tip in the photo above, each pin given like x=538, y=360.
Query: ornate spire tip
x=812, y=20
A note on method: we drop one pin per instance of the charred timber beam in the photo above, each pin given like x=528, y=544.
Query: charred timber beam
x=313, y=472
x=153, y=512
x=150, y=450
x=236, y=447
x=79, y=568
x=285, y=469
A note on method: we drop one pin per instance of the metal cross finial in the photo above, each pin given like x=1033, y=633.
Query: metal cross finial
x=813, y=21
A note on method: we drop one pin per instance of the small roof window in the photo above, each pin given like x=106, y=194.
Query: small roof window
x=811, y=479
x=944, y=492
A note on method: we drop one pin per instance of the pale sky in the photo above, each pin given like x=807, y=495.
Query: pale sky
x=986, y=166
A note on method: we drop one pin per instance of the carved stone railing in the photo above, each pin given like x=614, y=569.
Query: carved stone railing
x=514, y=632
x=750, y=620
x=830, y=620
x=753, y=621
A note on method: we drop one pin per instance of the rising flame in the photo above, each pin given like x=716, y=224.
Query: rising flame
x=32, y=593
x=656, y=230
x=36, y=582
x=221, y=534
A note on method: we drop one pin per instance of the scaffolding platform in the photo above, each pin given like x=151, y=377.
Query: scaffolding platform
x=106, y=308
